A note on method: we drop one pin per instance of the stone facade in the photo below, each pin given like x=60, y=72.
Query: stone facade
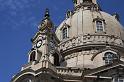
x=88, y=46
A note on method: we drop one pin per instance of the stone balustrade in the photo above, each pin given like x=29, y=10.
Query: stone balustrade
x=42, y=64
x=28, y=65
x=91, y=40
x=69, y=71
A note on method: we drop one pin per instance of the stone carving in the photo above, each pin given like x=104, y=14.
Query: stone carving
x=89, y=40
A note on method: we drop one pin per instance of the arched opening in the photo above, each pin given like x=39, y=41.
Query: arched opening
x=110, y=57
x=56, y=59
x=33, y=56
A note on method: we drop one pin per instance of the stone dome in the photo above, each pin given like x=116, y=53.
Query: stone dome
x=82, y=23
x=86, y=35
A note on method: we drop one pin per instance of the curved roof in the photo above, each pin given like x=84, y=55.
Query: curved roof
x=82, y=22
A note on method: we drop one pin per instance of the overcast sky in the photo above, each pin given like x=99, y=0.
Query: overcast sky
x=18, y=24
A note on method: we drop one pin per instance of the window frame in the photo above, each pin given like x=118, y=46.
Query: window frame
x=65, y=26
x=95, y=20
x=65, y=33
x=99, y=26
x=29, y=59
x=110, y=57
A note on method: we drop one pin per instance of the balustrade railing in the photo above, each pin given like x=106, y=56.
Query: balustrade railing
x=69, y=71
x=42, y=64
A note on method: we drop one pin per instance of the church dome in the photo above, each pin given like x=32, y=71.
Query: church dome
x=84, y=22
x=84, y=32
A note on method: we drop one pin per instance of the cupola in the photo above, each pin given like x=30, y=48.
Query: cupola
x=85, y=4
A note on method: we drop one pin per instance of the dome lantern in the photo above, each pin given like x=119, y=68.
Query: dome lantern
x=89, y=4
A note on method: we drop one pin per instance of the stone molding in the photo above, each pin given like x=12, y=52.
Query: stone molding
x=90, y=41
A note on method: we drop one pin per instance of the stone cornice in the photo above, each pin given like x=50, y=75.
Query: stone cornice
x=45, y=67
x=104, y=68
x=85, y=41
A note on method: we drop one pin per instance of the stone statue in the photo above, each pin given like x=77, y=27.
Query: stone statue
x=75, y=1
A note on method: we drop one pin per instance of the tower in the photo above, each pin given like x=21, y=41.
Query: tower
x=45, y=41
x=43, y=57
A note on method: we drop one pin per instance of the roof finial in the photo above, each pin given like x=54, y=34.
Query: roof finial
x=75, y=1
x=46, y=22
x=116, y=15
x=47, y=13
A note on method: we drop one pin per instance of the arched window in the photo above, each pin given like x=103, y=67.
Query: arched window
x=32, y=56
x=65, y=33
x=110, y=57
x=99, y=26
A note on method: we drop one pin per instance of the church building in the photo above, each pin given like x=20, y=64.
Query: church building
x=88, y=46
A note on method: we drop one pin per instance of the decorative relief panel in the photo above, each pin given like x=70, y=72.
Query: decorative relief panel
x=91, y=40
